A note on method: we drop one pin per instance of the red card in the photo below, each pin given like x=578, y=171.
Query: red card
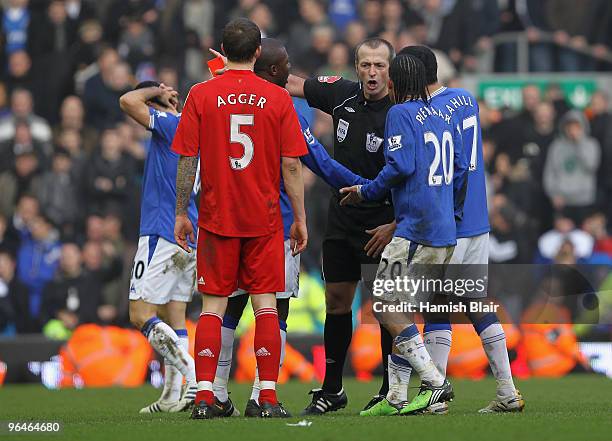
x=215, y=64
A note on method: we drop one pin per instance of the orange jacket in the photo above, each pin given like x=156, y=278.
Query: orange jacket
x=549, y=340
x=97, y=356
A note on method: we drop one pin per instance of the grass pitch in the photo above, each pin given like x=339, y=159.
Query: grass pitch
x=574, y=408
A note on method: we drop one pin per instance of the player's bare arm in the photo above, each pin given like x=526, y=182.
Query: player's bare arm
x=294, y=186
x=136, y=102
x=185, y=177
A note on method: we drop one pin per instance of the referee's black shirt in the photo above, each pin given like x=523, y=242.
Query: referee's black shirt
x=359, y=130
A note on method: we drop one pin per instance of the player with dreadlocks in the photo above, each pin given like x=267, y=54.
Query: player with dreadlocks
x=428, y=191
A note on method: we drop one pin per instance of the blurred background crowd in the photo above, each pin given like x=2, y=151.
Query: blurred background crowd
x=71, y=163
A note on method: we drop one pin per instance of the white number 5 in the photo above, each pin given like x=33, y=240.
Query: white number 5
x=241, y=138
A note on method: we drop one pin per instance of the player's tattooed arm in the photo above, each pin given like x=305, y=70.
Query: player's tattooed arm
x=185, y=177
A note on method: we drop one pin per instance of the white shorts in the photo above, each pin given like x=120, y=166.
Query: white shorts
x=162, y=272
x=472, y=250
x=470, y=262
x=292, y=276
x=405, y=259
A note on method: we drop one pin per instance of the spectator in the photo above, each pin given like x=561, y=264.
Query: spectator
x=118, y=13
x=601, y=129
x=372, y=17
x=262, y=17
x=509, y=134
x=4, y=110
x=26, y=211
x=570, y=171
x=22, y=109
x=37, y=260
x=338, y=63
x=73, y=297
x=102, y=261
x=354, y=34
x=109, y=175
x=87, y=45
x=551, y=242
x=392, y=17
x=342, y=12
x=13, y=298
x=596, y=226
x=24, y=177
x=50, y=38
x=72, y=117
x=509, y=235
x=137, y=43
x=322, y=38
x=100, y=100
x=19, y=73
x=571, y=30
x=15, y=23
x=58, y=193
x=9, y=238
x=312, y=14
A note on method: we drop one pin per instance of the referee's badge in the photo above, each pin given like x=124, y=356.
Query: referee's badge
x=342, y=130
x=373, y=142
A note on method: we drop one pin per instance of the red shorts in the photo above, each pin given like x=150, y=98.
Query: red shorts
x=256, y=264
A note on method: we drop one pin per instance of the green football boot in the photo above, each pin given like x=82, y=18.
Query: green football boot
x=383, y=408
x=428, y=395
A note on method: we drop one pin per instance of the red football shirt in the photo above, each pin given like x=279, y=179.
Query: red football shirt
x=241, y=125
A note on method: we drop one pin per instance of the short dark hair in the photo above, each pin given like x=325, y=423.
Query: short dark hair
x=149, y=83
x=374, y=43
x=408, y=76
x=427, y=57
x=241, y=38
x=272, y=52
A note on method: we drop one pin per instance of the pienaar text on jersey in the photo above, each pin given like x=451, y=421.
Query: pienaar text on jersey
x=249, y=99
x=425, y=112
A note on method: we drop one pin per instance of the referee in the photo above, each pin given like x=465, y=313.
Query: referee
x=355, y=235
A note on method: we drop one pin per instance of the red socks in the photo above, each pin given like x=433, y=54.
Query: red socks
x=267, y=352
x=206, y=351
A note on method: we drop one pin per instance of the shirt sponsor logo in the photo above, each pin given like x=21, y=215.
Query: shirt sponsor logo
x=373, y=142
x=328, y=79
x=342, y=130
x=395, y=142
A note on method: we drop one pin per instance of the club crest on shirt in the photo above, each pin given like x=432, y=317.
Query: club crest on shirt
x=342, y=130
x=373, y=142
x=328, y=79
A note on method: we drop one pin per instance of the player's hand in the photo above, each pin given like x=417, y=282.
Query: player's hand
x=381, y=236
x=183, y=230
x=298, y=237
x=223, y=57
x=353, y=195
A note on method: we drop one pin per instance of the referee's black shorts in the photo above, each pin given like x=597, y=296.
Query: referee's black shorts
x=345, y=239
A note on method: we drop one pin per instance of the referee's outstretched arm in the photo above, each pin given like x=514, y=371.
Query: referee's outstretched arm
x=295, y=86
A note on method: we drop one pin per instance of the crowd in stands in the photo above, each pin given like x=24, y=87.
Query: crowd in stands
x=71, y=163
